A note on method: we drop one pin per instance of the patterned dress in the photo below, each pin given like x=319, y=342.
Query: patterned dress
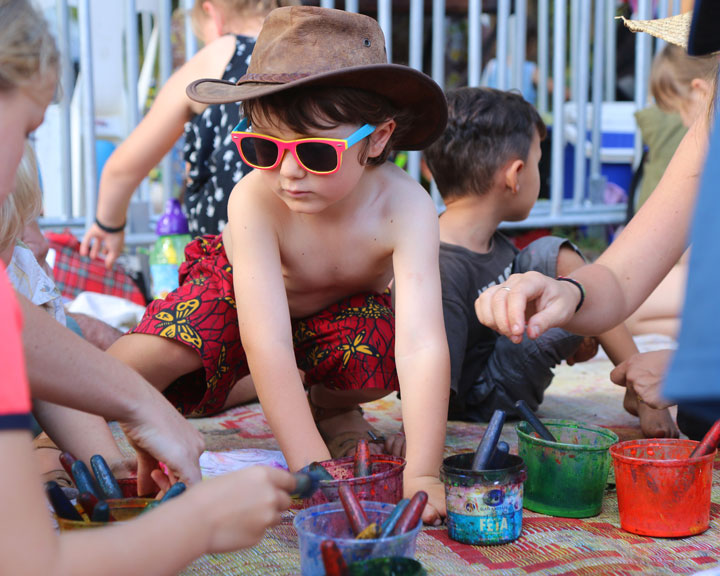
x=215, y=165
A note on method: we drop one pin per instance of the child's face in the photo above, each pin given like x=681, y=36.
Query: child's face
x=21, y=111
x=303, y=191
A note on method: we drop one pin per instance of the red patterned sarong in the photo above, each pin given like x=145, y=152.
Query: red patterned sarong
x=348, y=346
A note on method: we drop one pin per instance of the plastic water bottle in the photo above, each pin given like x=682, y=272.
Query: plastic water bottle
x=168, y=251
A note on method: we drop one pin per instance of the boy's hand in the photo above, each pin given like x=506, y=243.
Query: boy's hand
x=588, y=349
x=544, y=301
x=645, y=373
x=435, y=509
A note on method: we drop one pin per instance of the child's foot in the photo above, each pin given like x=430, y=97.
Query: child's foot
x=342, y=430
x=654, y=423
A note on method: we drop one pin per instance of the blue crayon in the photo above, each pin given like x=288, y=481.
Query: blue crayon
x=489, y=441
x=105, y=478
x=498, y=458
x=174, y=490
x=101, y=512
x=529, y=416
x=84, y=480
x=62, y=506
x=389, y=525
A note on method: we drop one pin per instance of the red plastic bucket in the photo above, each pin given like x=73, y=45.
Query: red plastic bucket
x=660, y=491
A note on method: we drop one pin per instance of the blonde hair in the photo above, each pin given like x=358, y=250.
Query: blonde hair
x=27, y=49
x=246, y=8
x=672, y=73
x=24, y=205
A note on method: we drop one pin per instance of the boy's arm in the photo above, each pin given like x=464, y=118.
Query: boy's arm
x=421, y=349
x=265, y=326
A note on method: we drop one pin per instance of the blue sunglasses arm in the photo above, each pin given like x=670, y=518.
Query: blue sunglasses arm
x=242, y=125
x=361, y=133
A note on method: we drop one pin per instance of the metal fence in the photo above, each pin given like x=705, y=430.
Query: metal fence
x=576, y=54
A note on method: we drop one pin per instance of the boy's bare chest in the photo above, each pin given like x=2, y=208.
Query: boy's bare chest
x=321, y=269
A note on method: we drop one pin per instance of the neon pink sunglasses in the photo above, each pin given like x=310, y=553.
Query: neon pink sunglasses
x=316, y=155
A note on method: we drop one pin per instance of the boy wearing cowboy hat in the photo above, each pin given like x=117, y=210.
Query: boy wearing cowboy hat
x=316, y=234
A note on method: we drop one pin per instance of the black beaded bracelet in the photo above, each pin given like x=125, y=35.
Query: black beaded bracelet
x=579, y=286
x=109, y=229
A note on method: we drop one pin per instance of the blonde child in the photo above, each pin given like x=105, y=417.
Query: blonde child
x=317, y=232
x=77, y=432
x=229, y=27
x=219, y=515
x=486, y=167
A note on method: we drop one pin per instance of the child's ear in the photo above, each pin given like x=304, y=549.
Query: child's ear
x=379, y=138
x=216, y=16
x=702, y=87
x=512, y=175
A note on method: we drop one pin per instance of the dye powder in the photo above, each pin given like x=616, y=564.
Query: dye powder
x=483, y=506
x=566, y=478
x=660, y=491
x=383, y=485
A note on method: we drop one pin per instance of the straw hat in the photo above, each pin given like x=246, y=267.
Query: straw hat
x=695, y=31
x=673, y=30
x=311, y=46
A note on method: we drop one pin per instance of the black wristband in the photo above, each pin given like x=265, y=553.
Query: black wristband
x=109, y=229
x=579, y=286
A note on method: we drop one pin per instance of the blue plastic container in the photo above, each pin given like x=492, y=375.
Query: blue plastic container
x=329, y=522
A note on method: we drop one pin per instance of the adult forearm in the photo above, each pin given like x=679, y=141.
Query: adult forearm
x=64, y=369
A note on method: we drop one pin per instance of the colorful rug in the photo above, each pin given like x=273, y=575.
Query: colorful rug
x=548, y=545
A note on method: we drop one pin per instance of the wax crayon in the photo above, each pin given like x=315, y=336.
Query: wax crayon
x=370, y=532
x=88, y=502
x=101, y=513
x=388, y=525
x=498, y=458
x=529, y=416
x=355, y=513
x=318, y=469
x=489, y=441
x=62, y=506
x=709, y=441
x=333, y=559
x=108, y=485
x=174, y=490
x=306, y=483
x=363, y=466
x=84, y=480
x=67, y=460
x=377, y=438
x=410, y=517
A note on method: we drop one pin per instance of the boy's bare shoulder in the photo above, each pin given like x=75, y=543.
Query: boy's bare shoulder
x=405, y=195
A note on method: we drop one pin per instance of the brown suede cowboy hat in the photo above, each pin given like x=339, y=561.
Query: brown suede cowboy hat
x=311, y=46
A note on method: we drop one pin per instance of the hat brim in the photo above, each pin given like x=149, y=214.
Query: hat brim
x=673, y=29
x=405, y=87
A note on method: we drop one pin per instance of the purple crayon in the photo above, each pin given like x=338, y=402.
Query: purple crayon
x=489, y=441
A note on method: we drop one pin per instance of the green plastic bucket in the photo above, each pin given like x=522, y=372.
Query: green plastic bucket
x=566, y=478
